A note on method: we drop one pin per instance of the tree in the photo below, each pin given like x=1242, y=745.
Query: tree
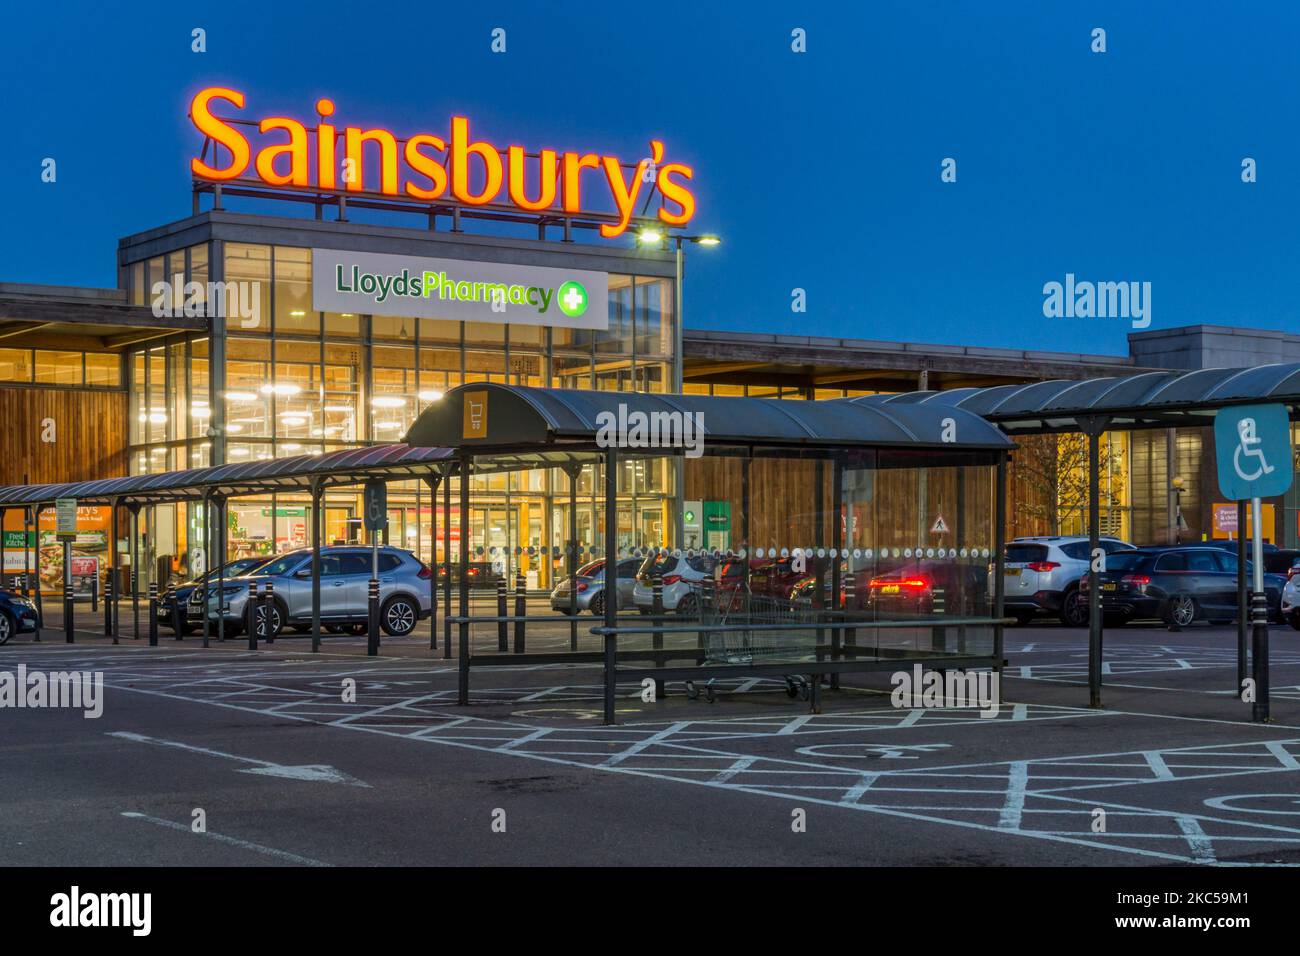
x=1054, y=468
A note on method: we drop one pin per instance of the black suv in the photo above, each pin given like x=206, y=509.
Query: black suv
x=1178, y=585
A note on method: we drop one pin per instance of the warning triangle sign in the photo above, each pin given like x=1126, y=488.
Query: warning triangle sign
x=940, y=526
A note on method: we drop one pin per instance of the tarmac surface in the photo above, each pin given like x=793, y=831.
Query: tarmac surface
x=337, y=759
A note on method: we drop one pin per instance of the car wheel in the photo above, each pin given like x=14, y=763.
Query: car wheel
x=278, y=614
x=398, y=616
x=688, y=606
x=7, y=627
x=1294, y=620
x=1180, y=612
x=598, y=605
x=1074, y=609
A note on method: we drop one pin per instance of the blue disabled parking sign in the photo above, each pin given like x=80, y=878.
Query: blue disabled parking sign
x=1253, y=443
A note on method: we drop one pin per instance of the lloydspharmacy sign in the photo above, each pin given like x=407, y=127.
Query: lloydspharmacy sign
x=378, y=284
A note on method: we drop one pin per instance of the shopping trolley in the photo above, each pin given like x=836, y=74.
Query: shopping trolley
x=743, y=646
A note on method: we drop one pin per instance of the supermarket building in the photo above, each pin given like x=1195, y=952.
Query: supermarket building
x=305, y=355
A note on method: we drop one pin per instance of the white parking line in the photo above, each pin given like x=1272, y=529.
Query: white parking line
x=232, y=841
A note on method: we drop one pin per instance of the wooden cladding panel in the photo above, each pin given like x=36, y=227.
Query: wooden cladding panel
x=90, y=431
x=886, y=504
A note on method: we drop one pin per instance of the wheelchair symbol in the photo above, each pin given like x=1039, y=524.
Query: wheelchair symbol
x=1246, y=432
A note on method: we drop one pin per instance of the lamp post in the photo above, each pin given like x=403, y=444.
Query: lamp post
x=653, y=237
x=650, y=236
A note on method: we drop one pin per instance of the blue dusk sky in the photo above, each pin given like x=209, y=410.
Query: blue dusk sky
x=821, y=169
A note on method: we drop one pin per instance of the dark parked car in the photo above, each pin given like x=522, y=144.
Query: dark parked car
x=925, y=588
x=481, y=574
x=776, y=577
x=1178, y=585
x=172, y=605
x=17, y=614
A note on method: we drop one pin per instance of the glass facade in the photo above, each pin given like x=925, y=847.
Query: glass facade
x=298, y=381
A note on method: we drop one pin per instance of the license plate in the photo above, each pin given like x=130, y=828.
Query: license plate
x=890, y=589
x=1109, y=587
x=1011, y=572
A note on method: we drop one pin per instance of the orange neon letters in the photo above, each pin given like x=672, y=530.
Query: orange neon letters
x=226, y=136
x=428, y=167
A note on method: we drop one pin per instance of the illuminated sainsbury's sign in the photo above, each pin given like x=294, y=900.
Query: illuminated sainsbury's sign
x=426, y=167
x=457, y=289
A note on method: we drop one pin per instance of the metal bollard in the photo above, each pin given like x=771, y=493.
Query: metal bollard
x=253, y=607
x=372, y=645
x=94, y=595
x=1259, y=656
x=503, y=641
x=179, y=613
x=135, y=604
x=108, y=608
x=69, y=619
x=850, y=606
x=657, y=640
x=153, y=613
x=40, y=607
x=268, y=598
x=521, y=610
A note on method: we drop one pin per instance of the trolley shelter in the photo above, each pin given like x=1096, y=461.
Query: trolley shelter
x=214, y=487
x=812, y=538
x=1127, y=403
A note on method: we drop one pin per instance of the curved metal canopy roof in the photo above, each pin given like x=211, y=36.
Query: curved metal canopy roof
x=521, y=418
x=1149, y=400
x=347, y=466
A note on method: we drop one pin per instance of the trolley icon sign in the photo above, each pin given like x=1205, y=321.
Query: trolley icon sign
x=1253, y=445
x=474, y=424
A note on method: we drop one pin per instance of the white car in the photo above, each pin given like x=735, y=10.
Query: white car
x=1042, y=577
x=1291, y=600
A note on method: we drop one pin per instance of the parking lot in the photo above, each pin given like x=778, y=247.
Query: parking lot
x=284, y=769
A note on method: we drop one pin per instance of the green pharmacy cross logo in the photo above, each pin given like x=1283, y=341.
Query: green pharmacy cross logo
x=572, y=299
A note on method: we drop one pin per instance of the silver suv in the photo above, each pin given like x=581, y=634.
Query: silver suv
x=1042, y=576
x=344, y=581
x=683, y=574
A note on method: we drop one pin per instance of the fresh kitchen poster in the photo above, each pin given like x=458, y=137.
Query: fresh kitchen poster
x=92, y=541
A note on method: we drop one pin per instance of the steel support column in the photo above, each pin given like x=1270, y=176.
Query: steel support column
x=611, y=592
x=317, y=524
x=135, y=575
x=837, y=544
x=207, y=566
x=466, y=465
x=1000, y=562
x=1093, y=426
x=1243, y=598
x=112, y=569
x=432, y=481
x=573, y=471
